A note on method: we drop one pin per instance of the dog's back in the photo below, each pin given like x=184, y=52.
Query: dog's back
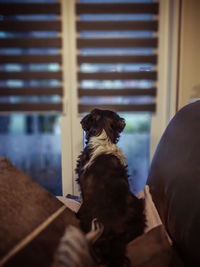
x=107, y=197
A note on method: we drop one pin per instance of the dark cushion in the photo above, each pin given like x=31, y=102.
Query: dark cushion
x=174, y=181
x=24, y=206
x=153, y=249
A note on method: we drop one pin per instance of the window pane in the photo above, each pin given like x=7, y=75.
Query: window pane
x=116, y=100
x=28, y=99
x=134, y=142
x=90, y=68
x=115, y=84
x=28, y=51
x=116, y=34
x=33, y=144
x=31, y=67
x=115, y=51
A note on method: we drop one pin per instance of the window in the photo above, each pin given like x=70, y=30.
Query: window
x=60, y=59
x=30, y=89
x=117, y=57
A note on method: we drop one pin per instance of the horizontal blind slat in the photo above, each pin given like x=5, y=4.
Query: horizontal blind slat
x=30, y=75
x=30, y=25
x=117, y=42
x=117, y=59
x=29, y=91
x=150, y=75
x=116, y=25
x=30, y=42
x=119, y=8
x=28, y=59
x=119, y=108
x=117, y=92
x=32, y=8
x=22, y=107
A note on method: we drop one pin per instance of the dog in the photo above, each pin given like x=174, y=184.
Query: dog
x=106, y=196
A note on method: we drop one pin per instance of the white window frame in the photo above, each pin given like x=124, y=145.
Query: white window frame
x=166, y=100
x=72, y=135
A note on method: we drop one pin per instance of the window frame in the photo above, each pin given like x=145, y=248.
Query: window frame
x=168, y=69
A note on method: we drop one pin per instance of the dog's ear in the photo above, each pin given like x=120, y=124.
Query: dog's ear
x=91, y=120
x=85, y=123
x=120, y=125
x=114, y=126
x=117, y=127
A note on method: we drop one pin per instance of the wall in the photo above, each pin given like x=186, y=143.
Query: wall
x=189, y=83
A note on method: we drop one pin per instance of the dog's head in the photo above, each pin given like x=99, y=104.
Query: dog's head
x=98, y=120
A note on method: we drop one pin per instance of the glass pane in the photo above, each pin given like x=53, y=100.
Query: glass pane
x=33, y=144
x=116, y=34
x=115, y=51
x=28, y=51
x=116, y=17
x=115, y=67
x=116, y=84
x=116, y=100
x=31, y=67
x=37, y=34
x=31, y=83
x=134, y=142
x=32, y=99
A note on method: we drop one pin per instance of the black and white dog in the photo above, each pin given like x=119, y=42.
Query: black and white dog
x=103, y=179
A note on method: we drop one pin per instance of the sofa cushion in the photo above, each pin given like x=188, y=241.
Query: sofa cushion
x=153, y=249
x=174, y=181
x=25, y=207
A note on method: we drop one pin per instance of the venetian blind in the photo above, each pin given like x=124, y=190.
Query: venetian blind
x=122, y=25
x=30, y=58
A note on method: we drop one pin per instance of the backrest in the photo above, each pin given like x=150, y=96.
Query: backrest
x=174, y=181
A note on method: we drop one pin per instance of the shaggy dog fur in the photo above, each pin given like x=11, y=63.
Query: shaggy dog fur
x=103, y=179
